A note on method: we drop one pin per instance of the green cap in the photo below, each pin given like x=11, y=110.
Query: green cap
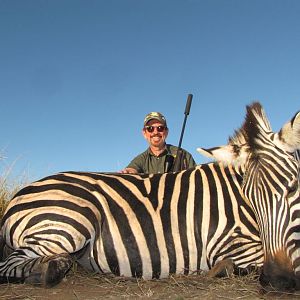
x=155, y=116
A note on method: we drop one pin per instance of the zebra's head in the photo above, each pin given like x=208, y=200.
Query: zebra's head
x=269, y=165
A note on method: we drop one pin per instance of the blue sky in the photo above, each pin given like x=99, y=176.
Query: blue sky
x=77, y=77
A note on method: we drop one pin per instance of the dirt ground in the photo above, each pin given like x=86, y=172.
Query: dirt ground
x=81, y=285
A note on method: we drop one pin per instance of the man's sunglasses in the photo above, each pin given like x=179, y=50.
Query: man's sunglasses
x=158, y=128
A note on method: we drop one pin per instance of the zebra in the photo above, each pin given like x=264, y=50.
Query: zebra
x=271, y=177
x=242, y=208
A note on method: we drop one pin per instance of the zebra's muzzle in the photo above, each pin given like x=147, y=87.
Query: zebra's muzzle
x=278, y=274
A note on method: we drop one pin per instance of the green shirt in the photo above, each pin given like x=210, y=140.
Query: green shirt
x=148, y=163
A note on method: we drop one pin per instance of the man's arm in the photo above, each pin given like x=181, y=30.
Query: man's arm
x=184, y=161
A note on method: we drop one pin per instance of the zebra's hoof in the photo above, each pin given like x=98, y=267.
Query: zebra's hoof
x=57, y=269
x=51, y=271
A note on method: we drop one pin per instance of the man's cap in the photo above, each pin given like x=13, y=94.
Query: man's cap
x=155, y=116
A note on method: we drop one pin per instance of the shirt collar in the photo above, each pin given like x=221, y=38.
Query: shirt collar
x=166, y=151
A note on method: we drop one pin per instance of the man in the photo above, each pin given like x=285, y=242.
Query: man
x=159, y=157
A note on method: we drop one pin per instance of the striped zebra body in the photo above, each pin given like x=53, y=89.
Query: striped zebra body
x=244, y=208
x=131, y=225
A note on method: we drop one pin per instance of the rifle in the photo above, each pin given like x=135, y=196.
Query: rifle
x=178, y=162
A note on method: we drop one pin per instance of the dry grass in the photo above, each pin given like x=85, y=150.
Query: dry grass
x=85, y=286
x=9, y=185
x=6, y=193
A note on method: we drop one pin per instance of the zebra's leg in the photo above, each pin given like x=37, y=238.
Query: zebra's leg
x=5, y=251
x=223, y=268
x=46, y=271
x=252, y=269
x=2, y=245
x=226, y=268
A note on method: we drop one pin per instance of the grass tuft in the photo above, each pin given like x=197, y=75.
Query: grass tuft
x=9, y=185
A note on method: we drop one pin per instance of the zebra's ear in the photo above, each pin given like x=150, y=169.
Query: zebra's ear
x=223, y=154
x=289, y=135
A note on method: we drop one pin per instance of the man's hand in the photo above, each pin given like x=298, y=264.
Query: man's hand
x=129, y=171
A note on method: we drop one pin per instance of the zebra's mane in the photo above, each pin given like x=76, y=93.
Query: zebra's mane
x=255, y=125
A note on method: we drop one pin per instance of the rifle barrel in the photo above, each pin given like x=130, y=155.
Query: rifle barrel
x=186, y=113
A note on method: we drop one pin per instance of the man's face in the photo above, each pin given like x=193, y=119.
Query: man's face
x=156, y=138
